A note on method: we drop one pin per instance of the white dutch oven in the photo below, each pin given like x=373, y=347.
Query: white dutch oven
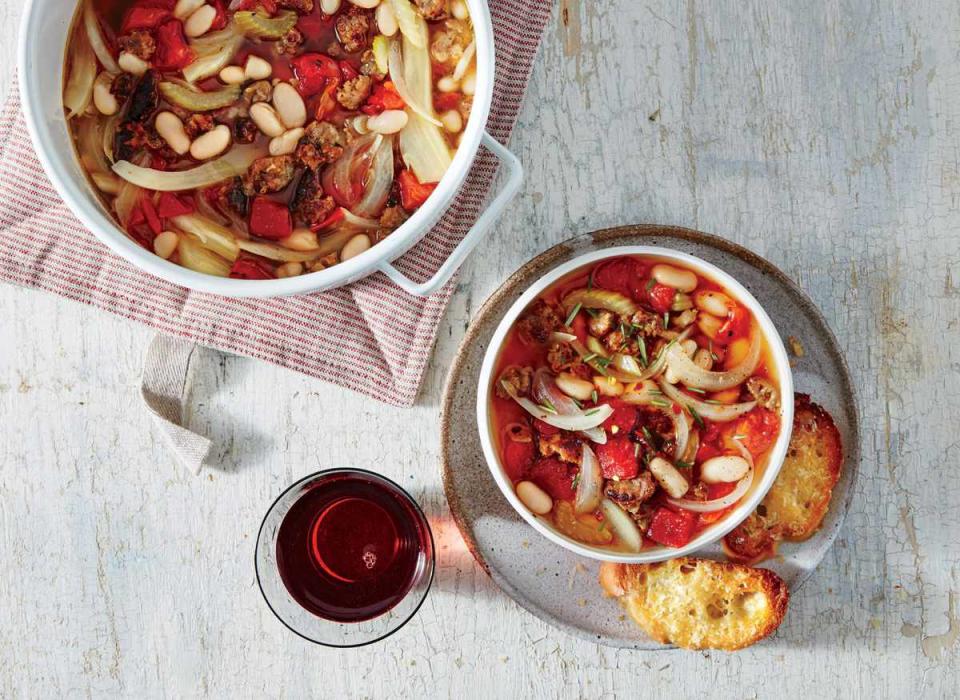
x=760, y=486
x=43, y=37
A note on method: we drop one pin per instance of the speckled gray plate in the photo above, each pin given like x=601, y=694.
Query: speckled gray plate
x=554, y=584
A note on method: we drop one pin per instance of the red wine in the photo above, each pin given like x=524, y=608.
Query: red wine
x=350, y=548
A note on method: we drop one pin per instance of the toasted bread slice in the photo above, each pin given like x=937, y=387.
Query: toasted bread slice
x=699, y=603
x=800, y=497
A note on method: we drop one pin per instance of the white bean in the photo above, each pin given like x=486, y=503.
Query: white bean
x=199, y=22
x=132, y=64
x=389, y=122
x=452, y=121
x=257, y=68
x=672, y=481
x=356, y=245
x=266, y=119
x=359, y=124
x=289, y=105
x=607, y=386
x=447, y=84
x=286, y=143
x=233, y=75
x=302, y=239
x=165, y=243
x=212, y=143
x=534, y=498
x=386, y=19
x=716, y=303
x=290, y=269
x=171, y=130
x=709, y=324
x=689, y=346
x=185, y=8
x=682, y=280
x=724, y=470
x=103, y=97
x=703, y=358
x=365, y=4
x=458, y=8
x=329, y=7
x=573, y=386
x=469, y=85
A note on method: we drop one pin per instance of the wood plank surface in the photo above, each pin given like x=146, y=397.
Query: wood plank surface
x=822, y=135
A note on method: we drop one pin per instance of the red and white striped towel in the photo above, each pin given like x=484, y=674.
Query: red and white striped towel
x=371, y=336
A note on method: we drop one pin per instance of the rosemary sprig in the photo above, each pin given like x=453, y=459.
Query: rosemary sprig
x=573, y=314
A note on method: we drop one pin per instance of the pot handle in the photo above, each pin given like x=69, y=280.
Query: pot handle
x=479, y=230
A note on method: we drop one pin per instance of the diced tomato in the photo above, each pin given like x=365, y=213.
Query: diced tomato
x=412, y=192
x=624, y=417
x=672, y=528
x=347, y=71
x=147, y=14
x=544, y=428
x=736, y=326
x=137, y=218
x=384, y=96
x=759, y=430
x=554, y=477
x=221, y=19
x=171, y=205
x=251, y=269
x=150, y=213
x=336, y=217
x=270, y=219
x=443, y=101
x=313, y=72
x=619, y=275
x=660, y=297
x=517, y=458
x=618, y=458
x=173, y=52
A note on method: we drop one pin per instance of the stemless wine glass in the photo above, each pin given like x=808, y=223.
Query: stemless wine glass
x=309, y=528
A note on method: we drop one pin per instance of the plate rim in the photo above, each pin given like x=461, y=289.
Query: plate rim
x=602, y=238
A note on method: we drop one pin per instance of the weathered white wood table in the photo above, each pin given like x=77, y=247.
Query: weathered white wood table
x=822, y=135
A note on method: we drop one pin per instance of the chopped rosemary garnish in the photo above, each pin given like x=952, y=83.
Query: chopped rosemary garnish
x=576, y=480
x=696, y=416
x=648, y=436
x=593, y=396
x=603, y=526
x=593, y=313
x=590, y=280
x=666, y=320
x=642, y=345
x=712, y=401
x=636, y=449
x=739, y=436
x=695, y=390
x=683, y=465
x=592, y=411
x=603, y=361
x=591, y=356
x=577, y=402
x=573, y=314
x=650, y=283
x=548, y=407
x=660, y=403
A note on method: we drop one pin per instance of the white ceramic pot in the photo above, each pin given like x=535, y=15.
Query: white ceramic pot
x=760, y=486
x=43, y=36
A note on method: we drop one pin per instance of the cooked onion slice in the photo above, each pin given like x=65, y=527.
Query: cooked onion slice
x=590, y=484
x=682, y=428
x=411, y=23
x=214, y=52
x=211, y=235
x=622, y=524
x=232, y=164
x=719, y=412
x=726, y=501
x=379, y=181
x=582, y=420
x=95, y=37
x=546, y=391
x=464, y=63
x=277, y=253
x=398, y=76
x=83, y=73
x=600, y=299
x=699, y=378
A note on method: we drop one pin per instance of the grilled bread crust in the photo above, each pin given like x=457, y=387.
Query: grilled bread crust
x=699, y=603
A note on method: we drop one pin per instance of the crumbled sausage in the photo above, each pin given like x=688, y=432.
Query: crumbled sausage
x=630, y=494
x=617, y=342
x=134, y=136
x=245, y=130
x=368, y=66
x=145, y=98
x=353, y=29
x=290, y=42
x=393, y=217
x=198, y=124
x=229, y=196
x=269, y=174
x=764, y=392
x=563, y=358
x=311, y=204
x=465, y=107
x=540, y=320
x=322, y=143
x=518, y=379
x=432, y=9
x=451, y=41
x=140, y=44
x=646, y=323
x=304, y=7
x=260, y=91
x=561, y=445
x=601, y=322
x=355, y=92
x=123, y=86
